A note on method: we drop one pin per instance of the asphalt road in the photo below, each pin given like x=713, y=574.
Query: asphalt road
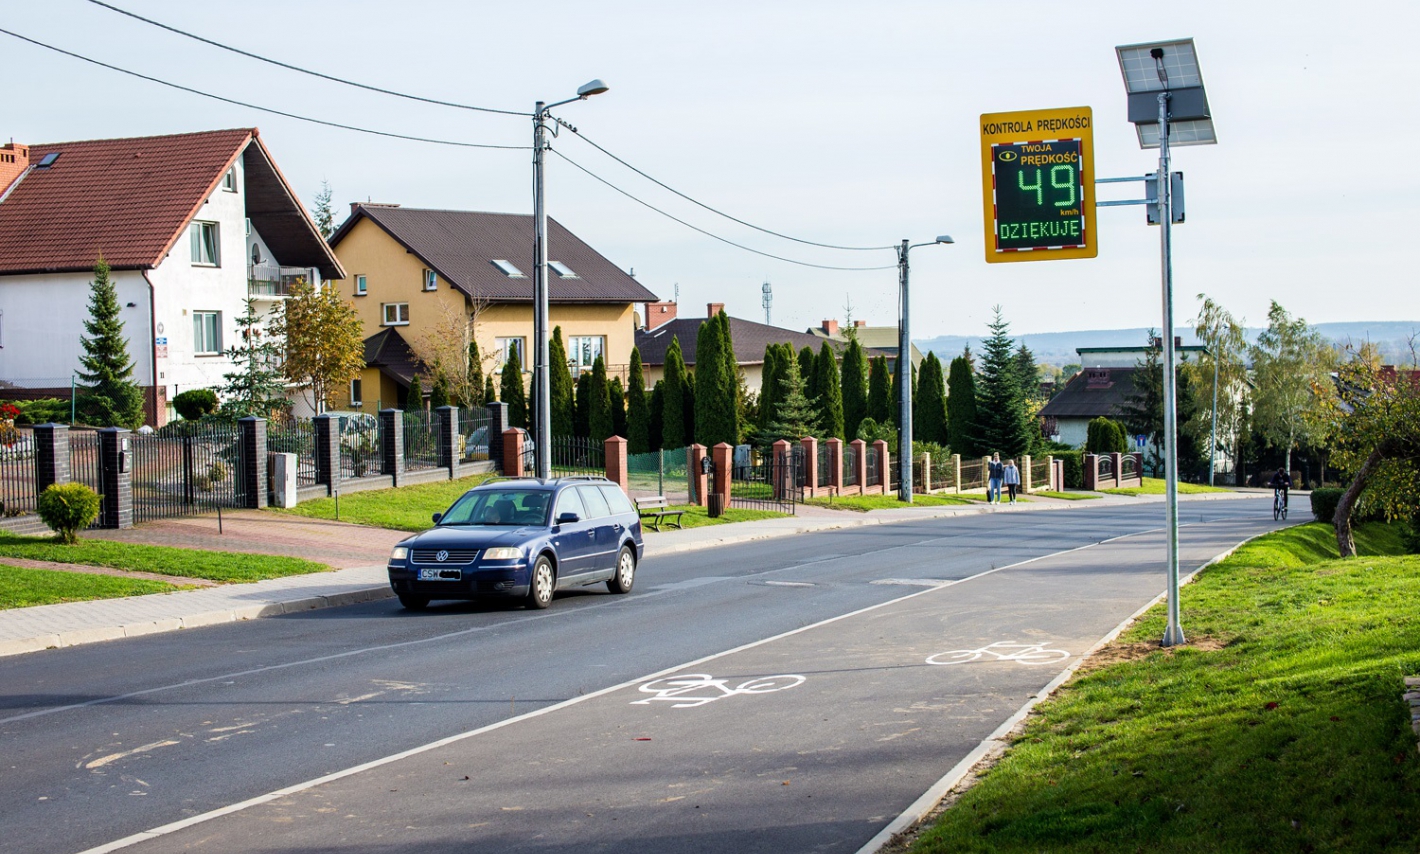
x=547, y=747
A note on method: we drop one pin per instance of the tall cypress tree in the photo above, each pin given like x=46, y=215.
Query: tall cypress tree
x=730, y=376
x=770, y=392
x=582, y=408
x=687, y=412
x=855, y=388
x=673, y=399
x=599, y=423
x=110, y=397
x=708, y=401
x=511, y=390
x=490, y=394
x=896, y=403
x=617, y=395
x=475, y=377
x=830, y=393
x=879, y=392
x=439, y=394
x=559, y=385
x=930, y=422
x=1003, y=424
x=414, y=399
x=806, y=367
x=961, y=407
x=638, y=411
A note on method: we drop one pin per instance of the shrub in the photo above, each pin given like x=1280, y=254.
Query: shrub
x=1074, y=468
x=195, y=403
x=217, y=472
x=1324, y=503
x=1105, y=436
x=68, y=508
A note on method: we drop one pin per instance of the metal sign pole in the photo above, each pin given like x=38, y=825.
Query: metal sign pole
x=1173, y=635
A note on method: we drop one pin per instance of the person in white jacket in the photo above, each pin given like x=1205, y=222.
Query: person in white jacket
x=1011, y=476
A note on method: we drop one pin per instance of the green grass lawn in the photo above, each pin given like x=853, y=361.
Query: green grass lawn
x=1155, y=486
x=406, y=508
x=164, y=560
x=1278, y=728
x=864, y=503
x=21, y=588
x=698, y=517
x=1068, y=496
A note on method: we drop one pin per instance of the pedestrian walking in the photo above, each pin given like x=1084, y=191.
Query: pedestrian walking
x=1011, y=476
x=994, y=474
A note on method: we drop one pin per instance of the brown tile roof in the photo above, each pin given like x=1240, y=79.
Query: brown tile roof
x=388, y=351
x=130, y=200
x=462, y=245
x=748, y=338
x=1082, y=398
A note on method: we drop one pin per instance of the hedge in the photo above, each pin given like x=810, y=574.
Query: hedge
x=1074, y=467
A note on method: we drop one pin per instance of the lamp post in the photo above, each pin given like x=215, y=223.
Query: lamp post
x=541, y=390
x=904, y=363
x=1167, y=105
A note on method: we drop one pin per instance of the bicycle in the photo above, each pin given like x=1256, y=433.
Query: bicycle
x=678, y=689
x=1025, y=653
x=1279, y=504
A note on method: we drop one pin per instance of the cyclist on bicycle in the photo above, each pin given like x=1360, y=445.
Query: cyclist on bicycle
x=1281, y=482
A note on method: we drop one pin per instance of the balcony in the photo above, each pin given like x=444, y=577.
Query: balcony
x=270, y=281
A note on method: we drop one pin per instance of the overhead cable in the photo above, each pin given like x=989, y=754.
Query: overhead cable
x=703, y=231
x=693, y=201
x=332, y=78
x=251, y=106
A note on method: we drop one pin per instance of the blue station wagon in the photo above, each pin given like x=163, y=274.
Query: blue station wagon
x=522, y=539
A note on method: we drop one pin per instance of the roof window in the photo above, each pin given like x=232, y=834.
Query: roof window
x=48, y=160
x=508, y=269
x=562, y=269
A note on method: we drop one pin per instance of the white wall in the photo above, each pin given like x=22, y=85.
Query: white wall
x=42, y=321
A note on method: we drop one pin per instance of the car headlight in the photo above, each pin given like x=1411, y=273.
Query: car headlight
x=399, y=553
x=502, y=554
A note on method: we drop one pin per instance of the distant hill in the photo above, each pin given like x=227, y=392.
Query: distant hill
x=1058, y=348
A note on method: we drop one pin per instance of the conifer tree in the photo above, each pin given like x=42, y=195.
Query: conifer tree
x=797, y=413
x=475, y=377
x=638, y=411
x=830, y=392
x=734, y=385
x=855, y=388
x=414, y=400
x=879, y=392
x=961, y=407
x=256, y=386
x=1003, y=424
x=110, y=397
x=490, y=393
x=673, y=436
x=929, y=423
x=896, y=403
x=582, y=410
x=559, y=385
x=599, y=424
x=439, y=394
x=511, y=390
x=770, y=392
x=617, y=395
x=716, y=385
x=687, y=412
x=655, y=424
x=806, y=368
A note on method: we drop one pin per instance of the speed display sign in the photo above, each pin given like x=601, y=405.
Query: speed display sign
x=1037, y=173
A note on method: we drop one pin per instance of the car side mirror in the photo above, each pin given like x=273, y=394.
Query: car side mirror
x=437, y=517
x=568, y=518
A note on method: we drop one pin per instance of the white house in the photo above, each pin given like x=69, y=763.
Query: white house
x=190, y=224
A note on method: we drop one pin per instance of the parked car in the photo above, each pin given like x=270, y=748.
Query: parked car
x=522, y=539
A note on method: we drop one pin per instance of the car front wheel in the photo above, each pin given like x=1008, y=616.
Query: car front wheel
x=625, y=572
x=542, y=582
x=413, y=602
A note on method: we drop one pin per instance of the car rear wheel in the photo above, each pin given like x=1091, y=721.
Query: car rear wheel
x=413, y=602
x=625, y=572
x=541, y=583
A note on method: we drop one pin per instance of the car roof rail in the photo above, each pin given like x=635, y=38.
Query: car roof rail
x=584, y=477
x=503, y=477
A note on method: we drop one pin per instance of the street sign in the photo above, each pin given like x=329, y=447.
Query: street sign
x=1038, y=184
x=1140, y=441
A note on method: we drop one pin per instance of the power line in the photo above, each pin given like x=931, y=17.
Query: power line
x=298, y=68
x=703, y=231
x=665, y=186
x=250, y=106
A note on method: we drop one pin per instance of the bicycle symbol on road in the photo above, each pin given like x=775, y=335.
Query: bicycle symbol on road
x=1023, y=653
x=697, y=689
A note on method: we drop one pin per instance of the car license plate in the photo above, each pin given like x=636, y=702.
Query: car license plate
x=431, y=573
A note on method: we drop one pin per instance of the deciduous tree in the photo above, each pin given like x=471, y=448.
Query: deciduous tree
x=324, y=341
x=1290, y=364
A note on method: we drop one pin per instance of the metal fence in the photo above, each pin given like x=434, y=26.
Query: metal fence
x=972, y=476
x=295, y=437
x=473, y=433
x=183, y=473
x=359, y=448
x=850, y=466
x=770, y=482
x=421, y=440
x=659, y=473
x=825, y=466
x=576, y=455
x=17, y=472
x=875, y=467
x=944, y=473
x=1104, y=466
x=1128, y=467
x=1040, y=474
x=85, y=464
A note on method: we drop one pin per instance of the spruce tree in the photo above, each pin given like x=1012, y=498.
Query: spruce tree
x=559, y=385
x=797, y=413
x=673, y=435
x=655, y=424
x=961, y=407
x=930, y=421
x=1027, y=372
x=256, y=386
x=830, y=403
x=599, y=423
x=414, y=400
x=617, y=395
x=879, y=392
x=582, y=410
x=1003, y=424
x=475, y=377
x=110, y=397
x=511, y=390
x=638, y=411
x=855, y=388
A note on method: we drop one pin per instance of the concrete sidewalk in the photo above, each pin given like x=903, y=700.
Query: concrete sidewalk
x=41, y=627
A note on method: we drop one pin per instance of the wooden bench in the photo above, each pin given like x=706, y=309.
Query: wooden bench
x=656, y=509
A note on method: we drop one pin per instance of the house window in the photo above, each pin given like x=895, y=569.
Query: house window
x=360, y=286
x=207, y=333
x=562, y=270
x=396, y=313
x=431, y=280
x=356, y=394
x=229, y=180
x=504, y=347
x=508, y=269
x=204, y=244
x=583, y=350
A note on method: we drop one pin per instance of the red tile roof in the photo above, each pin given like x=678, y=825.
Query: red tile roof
x=128, y=200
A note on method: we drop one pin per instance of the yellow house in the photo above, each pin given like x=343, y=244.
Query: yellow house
x=422, y=280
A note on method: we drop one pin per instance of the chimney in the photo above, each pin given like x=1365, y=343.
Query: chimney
x=860, y=324
x=713, y=308
x=14, y=160
x=659, y=313
x=830, y=328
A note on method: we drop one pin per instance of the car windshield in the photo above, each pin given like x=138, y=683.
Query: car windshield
x=506, y=507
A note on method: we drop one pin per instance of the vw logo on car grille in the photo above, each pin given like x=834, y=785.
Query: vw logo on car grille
x=442, y=556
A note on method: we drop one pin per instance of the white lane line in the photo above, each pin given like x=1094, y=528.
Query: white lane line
x=790, y=584
x=915, y=582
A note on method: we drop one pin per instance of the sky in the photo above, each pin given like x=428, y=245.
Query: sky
x=846, y=123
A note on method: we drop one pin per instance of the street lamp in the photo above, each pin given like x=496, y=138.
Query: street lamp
x=904, y=367
x=541, y=390
x=1168, y=106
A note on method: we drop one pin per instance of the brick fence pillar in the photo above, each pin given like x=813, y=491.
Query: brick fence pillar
x=1118, y=459
x=447, y=419
x=251, y=483
x=497, y=423
x=327, y=442
x=780, y=469
x=927, y=473
x=615, y=452
x=884, y=466
x=115, y=478
x=860, y=464
x=392, y=443
x=694, y=454
x=810, y=446
x=835, y=464
x=51, y=455
x=512, y=459
x=1092, y=471
x=723, y=456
